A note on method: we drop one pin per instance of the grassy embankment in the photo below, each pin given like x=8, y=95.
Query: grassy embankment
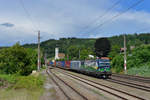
x=142, y=71
x=14, y=87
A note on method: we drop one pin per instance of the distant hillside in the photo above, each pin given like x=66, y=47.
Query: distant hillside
x=63, y=43
x=132, y=39
x=3, y=47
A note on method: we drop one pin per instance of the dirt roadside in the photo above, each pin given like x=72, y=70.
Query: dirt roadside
x=52, y=91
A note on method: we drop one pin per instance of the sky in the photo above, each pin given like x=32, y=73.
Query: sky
x=20, y=20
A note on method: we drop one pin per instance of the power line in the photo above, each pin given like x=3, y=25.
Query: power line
x=28, y=15
x=101, y=16
x=111, y=19
x=34, y=27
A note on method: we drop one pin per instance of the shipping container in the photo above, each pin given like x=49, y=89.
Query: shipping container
x=62, y=64
x=75, y=65
x=55, y=63
x=51, y=63
x=67, y=64
x=58, y=63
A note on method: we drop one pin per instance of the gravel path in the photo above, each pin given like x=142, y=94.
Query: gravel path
x=51, y=92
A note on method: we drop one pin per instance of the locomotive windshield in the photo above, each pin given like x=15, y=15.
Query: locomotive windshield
x=104, y=64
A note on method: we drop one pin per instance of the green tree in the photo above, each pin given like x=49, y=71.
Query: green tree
x=117, y=63
x=73, y=52
x=102, y=47
x=139, y=57
x=17, y=59
x=115, y=50
x=84, y=53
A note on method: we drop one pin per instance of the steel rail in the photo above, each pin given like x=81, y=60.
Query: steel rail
x=77, y=78
x=85, y=98
x=59, y=86
x=133, y=85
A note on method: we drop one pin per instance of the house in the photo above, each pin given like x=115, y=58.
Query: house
x=132, y=47
x=61, y=55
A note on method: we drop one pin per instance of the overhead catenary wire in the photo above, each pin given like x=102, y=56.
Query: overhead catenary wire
x=28, y=15
x=101, y=16
x=116, y=16
x=36, y=29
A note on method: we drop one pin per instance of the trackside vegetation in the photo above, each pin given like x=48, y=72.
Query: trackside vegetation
x=17, y=60
x=14, y=87
x=138, y=61
x=16, y=80
x=30, y=82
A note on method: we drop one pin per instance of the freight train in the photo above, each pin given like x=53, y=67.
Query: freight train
x=99, y=68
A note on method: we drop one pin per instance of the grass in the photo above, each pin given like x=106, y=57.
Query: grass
x=21, y=87
x=9, y=78
x=29, y=82
x=142, y=71
x=20, y=94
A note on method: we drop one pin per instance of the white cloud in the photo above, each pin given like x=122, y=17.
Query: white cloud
x=66, y=18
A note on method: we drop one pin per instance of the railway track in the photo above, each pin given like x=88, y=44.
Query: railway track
x=132, y=77
x=68, y=96
x=117, y=93
x=129, y=84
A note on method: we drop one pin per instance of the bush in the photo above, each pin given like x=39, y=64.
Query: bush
x=29, y=82
x=117, y=63
x=8, y=78
x=20, y=82
x=142, y=71
x=1, y=83
x=17, y=59
x=139, y=57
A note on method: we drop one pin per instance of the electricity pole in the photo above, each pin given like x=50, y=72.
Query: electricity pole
x=45, y=58
x=39, y=56
x=125, y=57
x=79, y=53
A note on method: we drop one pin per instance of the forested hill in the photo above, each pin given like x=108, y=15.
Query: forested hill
x=64, y=43
x=132, y=39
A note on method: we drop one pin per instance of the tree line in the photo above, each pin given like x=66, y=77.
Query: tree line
x=18, y=60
